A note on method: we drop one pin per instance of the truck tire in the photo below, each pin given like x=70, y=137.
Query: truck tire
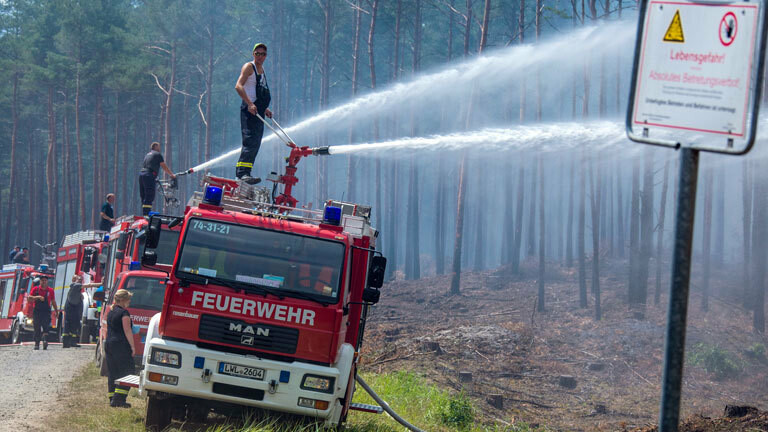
x=158, y=413
x=85, y=333
x=102, y=362
x=15, y=333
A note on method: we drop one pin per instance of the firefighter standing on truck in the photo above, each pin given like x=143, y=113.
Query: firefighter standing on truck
x=119, y=348
x=253, y=89
x=150, y=168
x=43, y=297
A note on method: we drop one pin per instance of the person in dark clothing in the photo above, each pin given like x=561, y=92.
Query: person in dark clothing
x=43, y=297
x=22, y=257
x=253, y=89
x=73, y=311
x=16, y=249
x=107, y=213
x=150, y=168
x=119, y=348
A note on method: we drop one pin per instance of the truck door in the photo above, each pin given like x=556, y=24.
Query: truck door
x=6, y=287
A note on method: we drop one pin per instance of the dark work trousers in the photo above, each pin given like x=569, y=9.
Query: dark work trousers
x=147, y=191
x=252, y=129
x=119, y=364
x=41, y=321
x=72, y=322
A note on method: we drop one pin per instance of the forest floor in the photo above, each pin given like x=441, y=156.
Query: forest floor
x=493, y=332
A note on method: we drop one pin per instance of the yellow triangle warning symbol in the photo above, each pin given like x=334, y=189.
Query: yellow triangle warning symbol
x=675, y=30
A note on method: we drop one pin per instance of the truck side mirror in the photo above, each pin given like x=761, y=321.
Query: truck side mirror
x=98, y=296
x=149, y=258
x=122, y=242
x=85, y=267
x=371, y=295
x=376, y=272
x=153, y=232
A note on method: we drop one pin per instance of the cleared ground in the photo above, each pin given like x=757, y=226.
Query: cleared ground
x=35, y=383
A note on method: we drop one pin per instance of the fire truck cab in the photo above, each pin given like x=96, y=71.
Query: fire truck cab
x=79, y=253
x=16, y=281
x=263, y=308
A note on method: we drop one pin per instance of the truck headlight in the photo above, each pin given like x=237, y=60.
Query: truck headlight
x=162, y=357
x=29, y=321
x=317, y=383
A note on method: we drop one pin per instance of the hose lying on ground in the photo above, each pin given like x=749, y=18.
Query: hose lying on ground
x=385, y=406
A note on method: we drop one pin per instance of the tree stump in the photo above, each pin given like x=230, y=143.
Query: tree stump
x=496, y=400
x=597, y=367
x=432, y=346
x=465, y=377
x=739, y=410
x=567, y=381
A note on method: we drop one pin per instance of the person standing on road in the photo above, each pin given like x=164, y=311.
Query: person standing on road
x=119, y=348
x=253, y=89
x=107, y=213
x=43, y=297
x=150, y=168
x=73, y=311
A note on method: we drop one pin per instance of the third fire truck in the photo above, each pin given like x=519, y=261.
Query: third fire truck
x=265, y=306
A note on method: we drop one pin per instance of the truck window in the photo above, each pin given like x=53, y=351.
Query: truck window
x=262, y=258
x=148, y=293
x=166, y=248
x=5, y=298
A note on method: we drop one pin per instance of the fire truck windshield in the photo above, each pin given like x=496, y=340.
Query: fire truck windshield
x=274, y=261
x=148, y=293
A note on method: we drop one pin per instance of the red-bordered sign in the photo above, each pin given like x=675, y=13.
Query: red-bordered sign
x=728, y=28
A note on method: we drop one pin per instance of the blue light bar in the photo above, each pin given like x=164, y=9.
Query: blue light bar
x=43, y=267
x=135, y=265
x=212, y=195
x=153, y=213
x=106, y=238
x=332, y=215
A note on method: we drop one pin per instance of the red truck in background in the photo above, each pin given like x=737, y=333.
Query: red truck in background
x=79, y=254
x=124, y=271
x=263, y=308
x=16, y=281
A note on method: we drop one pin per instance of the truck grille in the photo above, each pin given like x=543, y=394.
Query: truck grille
x=255, y=336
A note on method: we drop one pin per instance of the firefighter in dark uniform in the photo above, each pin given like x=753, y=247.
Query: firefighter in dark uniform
x=73, y=312
x=43, y=297
x=253, y=89
x=150, y=168
x=119, y=348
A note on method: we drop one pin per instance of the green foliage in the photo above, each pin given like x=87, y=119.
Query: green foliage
x=458, y=412
x=757, y=352
x=715, y=360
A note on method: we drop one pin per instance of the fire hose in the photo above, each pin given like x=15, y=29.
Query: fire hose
x=386, y=406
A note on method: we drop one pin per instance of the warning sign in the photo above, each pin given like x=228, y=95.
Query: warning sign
x=728, y=28
x=697, y=81
x=675, y=30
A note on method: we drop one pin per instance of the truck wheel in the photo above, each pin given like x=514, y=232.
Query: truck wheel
x=101, y=360
x=158, y=414
x=15, y=333
x=85, y=334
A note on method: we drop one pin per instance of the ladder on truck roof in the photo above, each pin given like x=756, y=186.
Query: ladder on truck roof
x=82, y=237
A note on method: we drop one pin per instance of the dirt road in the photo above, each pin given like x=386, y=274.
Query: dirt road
x=32, y=382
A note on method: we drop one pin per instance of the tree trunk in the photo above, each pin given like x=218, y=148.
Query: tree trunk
x=456, y=269
x=580, y=236
x=13, y=174
x=351, y=162
x=646, y=228
x=50, y=170
x=569, y=230
x=707, y=240
x=80, y=174
x=759, y=237
x=620, y=214
x=169, y=109
x=209, y=87
x=508, y=227
x=440, y=219
x=519, y=219
x=531, y=234
x=746, y=192
x=540, y=302
x=634, y=237
x=97, y=189
x=595, y=187
x=660, y=233
x=69, y=197
x=521, y=38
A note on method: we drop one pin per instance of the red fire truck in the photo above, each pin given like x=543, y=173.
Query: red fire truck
x=126, y=244
x=265, y=307
x=79, y=253
x=15, y=312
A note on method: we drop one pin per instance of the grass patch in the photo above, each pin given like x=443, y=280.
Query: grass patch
x=86, y=408
x=715, y=360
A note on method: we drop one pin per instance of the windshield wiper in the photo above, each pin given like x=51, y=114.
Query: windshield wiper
x=235, y=285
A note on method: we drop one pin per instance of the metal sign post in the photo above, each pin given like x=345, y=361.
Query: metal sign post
x=696, y=86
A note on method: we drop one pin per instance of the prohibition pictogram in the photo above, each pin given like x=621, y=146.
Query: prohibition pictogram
x=728, y=28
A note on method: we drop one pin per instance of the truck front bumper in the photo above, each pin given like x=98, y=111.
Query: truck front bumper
x=200, y=376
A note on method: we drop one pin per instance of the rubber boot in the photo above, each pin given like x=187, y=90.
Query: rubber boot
x=45, y=342
x=118, y=401
x=65, y=341
x=37, y=345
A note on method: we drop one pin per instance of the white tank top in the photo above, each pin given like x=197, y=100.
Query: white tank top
x=250, y=83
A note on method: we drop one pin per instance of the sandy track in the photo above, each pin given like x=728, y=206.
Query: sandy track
x=33, y=383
